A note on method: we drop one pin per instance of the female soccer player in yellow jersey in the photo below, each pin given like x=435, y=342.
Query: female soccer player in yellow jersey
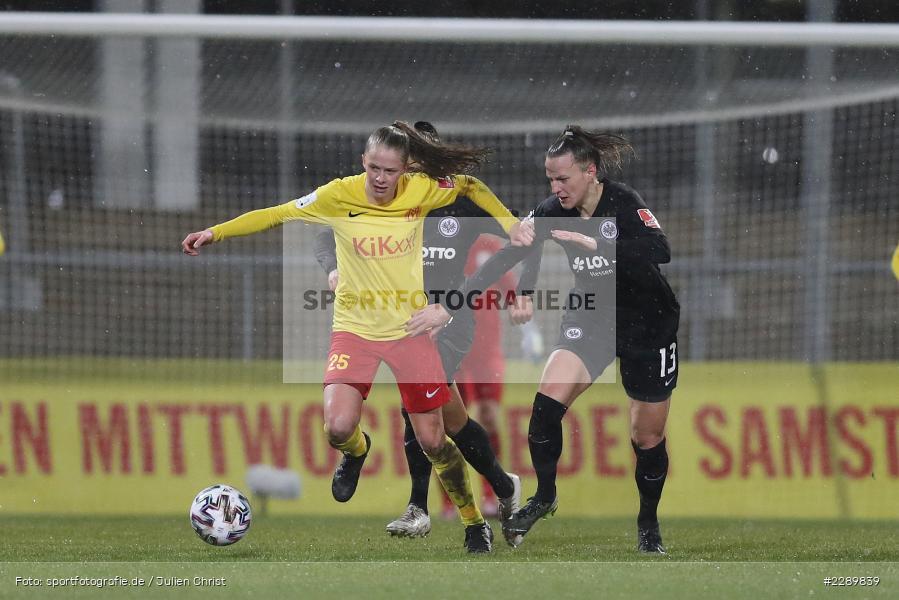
x=377, y=221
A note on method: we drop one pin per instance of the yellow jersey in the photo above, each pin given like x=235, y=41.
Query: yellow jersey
x=378, y=246
x=896, y=262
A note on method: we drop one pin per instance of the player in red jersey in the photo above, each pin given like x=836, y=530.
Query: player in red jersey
x=482, y=372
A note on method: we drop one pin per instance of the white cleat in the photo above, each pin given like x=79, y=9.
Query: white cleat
x=509, y=505
x=413, y=523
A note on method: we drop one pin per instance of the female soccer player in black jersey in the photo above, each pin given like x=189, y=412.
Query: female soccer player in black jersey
x=604, y=218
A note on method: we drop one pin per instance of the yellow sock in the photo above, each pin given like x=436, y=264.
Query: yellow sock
x=453, y=475
x=355, y=445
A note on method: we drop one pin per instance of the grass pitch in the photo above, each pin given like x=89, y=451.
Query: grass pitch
x=314, y=557
x=351, y=558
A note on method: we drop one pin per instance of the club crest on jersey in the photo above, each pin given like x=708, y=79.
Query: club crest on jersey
x=574, y=333
x=608, y=229
x=648, y=218
x=446, y=183
x=306, y=200
x=448, y=226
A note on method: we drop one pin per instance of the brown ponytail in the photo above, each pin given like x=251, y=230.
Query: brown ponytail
x=438, y=159
x=609, y=152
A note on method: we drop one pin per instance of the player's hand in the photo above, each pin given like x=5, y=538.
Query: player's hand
x=584, y=241
x=521, y=311
x=522, y=233
x=430, y=318
x=333, y=279
x=192, y=243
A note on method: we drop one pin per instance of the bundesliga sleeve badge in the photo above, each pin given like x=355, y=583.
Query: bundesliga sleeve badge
x=648, y=218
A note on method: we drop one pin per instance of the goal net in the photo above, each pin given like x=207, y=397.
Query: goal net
x=771, y=161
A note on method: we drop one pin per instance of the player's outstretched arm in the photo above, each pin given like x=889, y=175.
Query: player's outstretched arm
x=194, y=241
x=530, y=270
x=494, y=268
x=521, y=233
x=246, y=224
x=584, y=241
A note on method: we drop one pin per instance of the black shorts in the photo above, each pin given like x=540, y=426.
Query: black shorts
x=648, y=356
x=455, y=341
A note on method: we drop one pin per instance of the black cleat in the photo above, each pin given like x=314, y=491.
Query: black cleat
x=524, y=518
x=649, y=540
x=346, y=475
x=479, y=538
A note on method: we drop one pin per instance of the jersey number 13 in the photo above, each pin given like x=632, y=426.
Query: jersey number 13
x=668, y=359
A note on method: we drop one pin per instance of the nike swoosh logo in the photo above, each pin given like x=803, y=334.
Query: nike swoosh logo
x=432, y=394
x=667, y=383
x=352, y=214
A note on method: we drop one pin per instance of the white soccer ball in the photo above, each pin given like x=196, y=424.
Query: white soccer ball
x=220, y=515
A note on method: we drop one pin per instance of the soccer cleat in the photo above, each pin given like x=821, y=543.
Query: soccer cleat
x=521, y=521
x=479, y=538
x=649, y=540
x=507, y=506
x=413, y=523
x=346, y=475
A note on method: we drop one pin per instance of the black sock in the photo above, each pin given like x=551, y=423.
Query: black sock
x=419, y=466
x=474, y=444
x=652, y=468
x=545, y=442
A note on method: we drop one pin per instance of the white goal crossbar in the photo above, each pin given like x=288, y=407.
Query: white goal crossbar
x=679, y=33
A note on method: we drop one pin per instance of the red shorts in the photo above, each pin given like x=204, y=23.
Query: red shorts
x=476, y=391
x=414, y=362
x=481, y=376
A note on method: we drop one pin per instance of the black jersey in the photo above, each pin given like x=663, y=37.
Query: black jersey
x=449, y=233
x=630, y=247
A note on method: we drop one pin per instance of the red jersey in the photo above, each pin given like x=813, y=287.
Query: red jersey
x=485, y=362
